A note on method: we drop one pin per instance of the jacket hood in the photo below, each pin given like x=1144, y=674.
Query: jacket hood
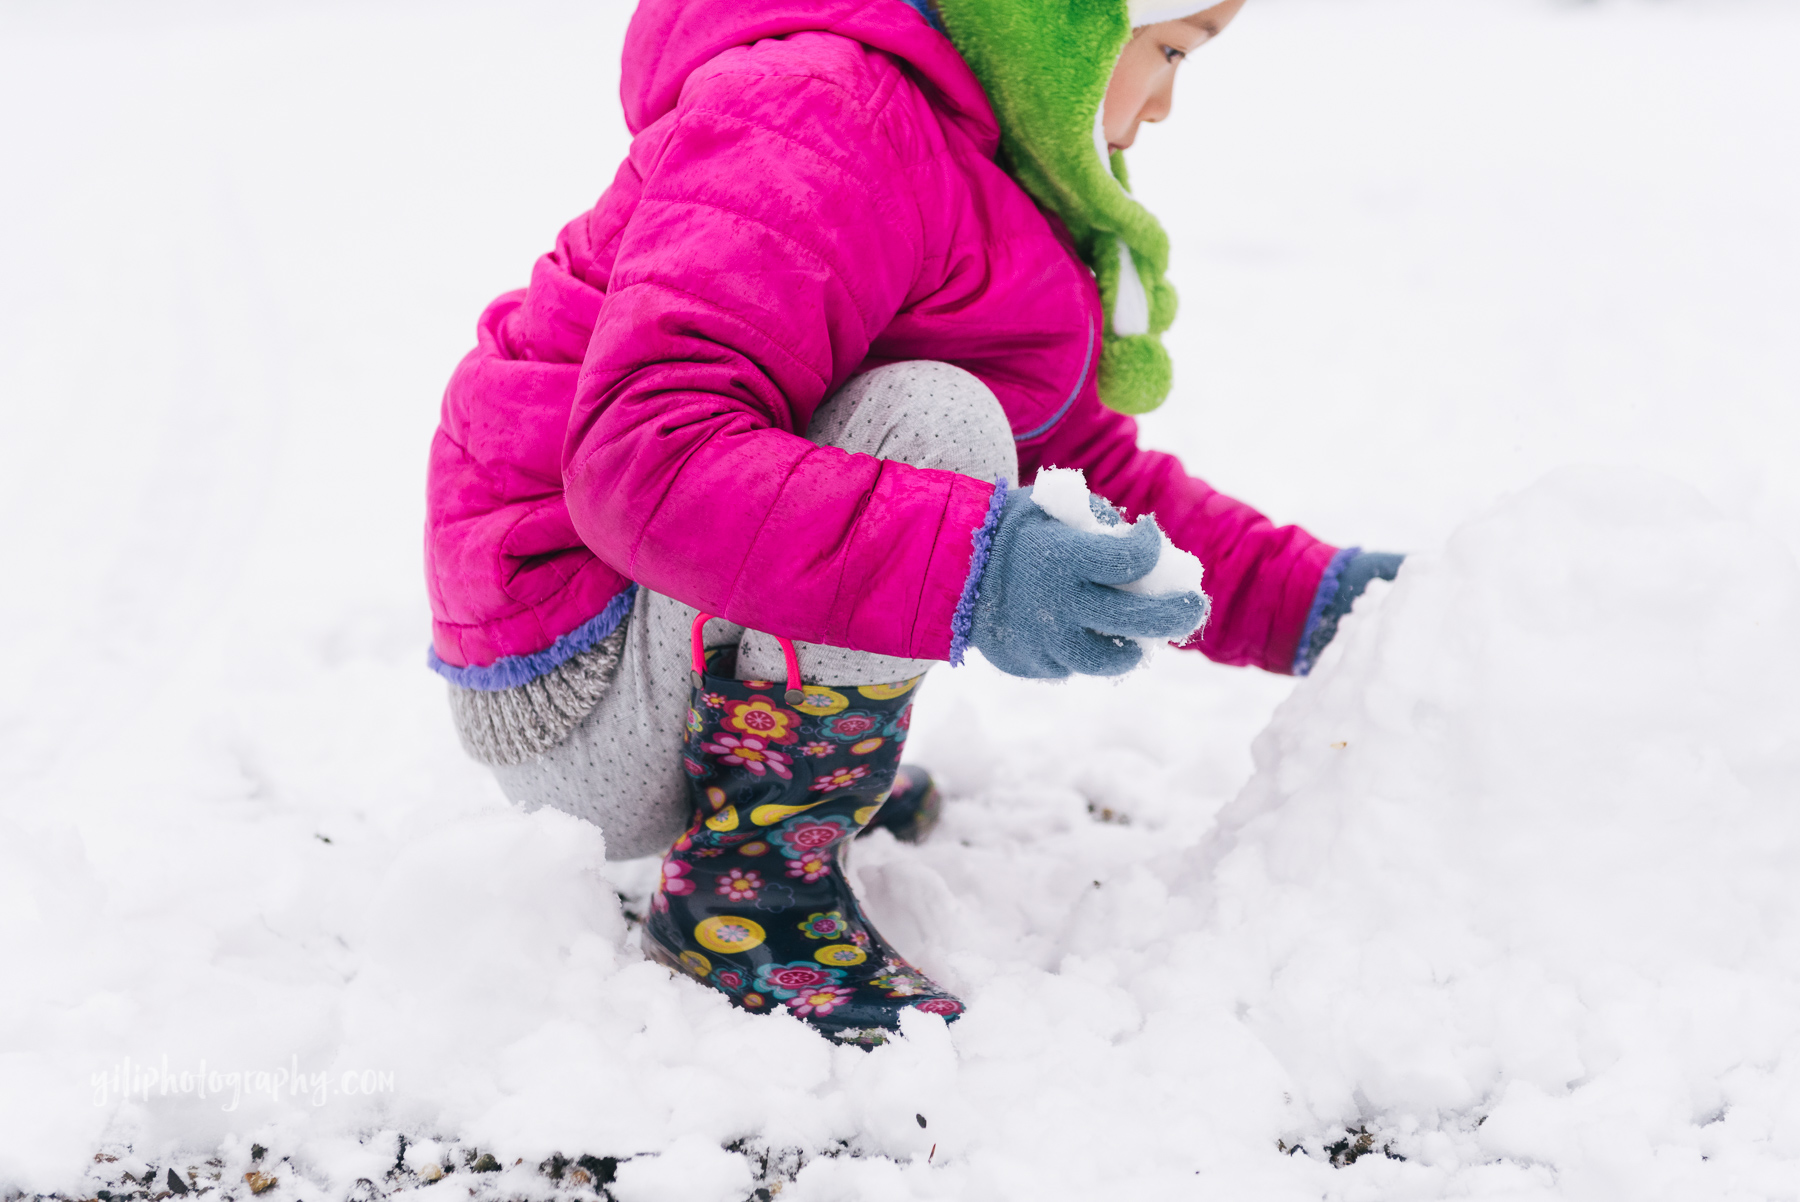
x=1025, y=79
x=670, y=39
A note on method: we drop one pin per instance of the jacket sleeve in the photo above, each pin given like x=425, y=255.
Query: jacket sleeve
x=1262, y=578
x=774, y=238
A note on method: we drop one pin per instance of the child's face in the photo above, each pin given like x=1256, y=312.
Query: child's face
x=1142, y=87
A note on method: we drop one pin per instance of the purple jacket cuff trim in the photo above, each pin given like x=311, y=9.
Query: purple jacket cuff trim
x=1306, y=654
x=511, y=671
x=964, y=618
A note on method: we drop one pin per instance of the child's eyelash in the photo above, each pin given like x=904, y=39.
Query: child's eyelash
x=1170, y=54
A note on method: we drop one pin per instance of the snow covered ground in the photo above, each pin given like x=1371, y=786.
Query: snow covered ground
x=1504, y=895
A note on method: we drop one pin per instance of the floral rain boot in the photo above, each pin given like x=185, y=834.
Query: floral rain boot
x=753, y=899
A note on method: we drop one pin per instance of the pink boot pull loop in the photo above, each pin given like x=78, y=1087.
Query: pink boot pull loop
x=794, y=695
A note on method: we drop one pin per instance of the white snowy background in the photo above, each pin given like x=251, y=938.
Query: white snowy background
x=1511, y=884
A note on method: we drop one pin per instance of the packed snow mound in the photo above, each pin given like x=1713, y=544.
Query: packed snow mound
x=1521, y=853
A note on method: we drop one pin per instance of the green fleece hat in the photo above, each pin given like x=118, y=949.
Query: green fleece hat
x=1045, y=65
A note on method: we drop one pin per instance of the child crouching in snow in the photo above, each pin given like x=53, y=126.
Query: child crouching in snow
x=742, y=463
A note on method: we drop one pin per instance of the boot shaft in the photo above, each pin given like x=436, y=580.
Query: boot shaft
x=752, y=897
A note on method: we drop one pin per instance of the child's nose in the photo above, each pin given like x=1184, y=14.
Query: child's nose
x=1160, y=103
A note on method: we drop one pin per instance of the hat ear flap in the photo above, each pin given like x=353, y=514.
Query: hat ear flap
x=1045, y=65
x=1135, y=373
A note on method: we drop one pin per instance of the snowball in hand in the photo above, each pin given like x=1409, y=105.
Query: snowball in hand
x=1056, y=599
x=1062, y=492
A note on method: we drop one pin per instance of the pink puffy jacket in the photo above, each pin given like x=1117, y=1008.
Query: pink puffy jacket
x=811, y=192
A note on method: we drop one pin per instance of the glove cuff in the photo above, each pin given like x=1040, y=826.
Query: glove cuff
x=1322, y=618
x=963, y=619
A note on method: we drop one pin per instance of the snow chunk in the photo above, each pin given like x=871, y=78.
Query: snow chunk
x=693, y=1169
x=1062, y=492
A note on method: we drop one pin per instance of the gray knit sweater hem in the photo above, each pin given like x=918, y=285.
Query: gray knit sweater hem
x=511, y=726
